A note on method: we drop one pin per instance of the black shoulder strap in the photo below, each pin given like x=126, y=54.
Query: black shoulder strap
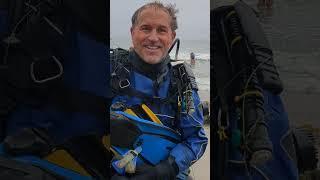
x=183, y=74
x=182, y=80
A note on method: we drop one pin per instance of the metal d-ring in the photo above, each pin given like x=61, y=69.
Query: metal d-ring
x=46, y=79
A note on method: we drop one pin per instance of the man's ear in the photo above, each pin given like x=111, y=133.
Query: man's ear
x=131, y=30
x=173, y=35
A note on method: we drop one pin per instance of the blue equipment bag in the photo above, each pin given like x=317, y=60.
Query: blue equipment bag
x=154, y=141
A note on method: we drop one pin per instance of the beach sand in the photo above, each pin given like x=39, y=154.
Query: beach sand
x=204, y=95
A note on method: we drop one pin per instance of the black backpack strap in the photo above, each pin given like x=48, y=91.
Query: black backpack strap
x=184, y=76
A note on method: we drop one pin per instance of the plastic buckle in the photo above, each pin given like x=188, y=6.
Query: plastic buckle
x=127, y=163
x=49, y=78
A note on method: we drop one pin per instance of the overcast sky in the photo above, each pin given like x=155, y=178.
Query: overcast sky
x=193, y=18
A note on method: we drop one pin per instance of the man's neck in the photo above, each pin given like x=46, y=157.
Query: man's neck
x=153, y=71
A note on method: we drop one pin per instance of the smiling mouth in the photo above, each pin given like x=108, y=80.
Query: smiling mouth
x=152, y=47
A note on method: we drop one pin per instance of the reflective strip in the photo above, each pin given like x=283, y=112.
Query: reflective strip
x=129, y=111
x=164, y=115
x=152, y=116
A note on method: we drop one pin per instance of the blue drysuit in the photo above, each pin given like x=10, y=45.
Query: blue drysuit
x=190, y=125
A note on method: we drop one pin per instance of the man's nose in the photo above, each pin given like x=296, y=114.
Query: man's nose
x=153, y=36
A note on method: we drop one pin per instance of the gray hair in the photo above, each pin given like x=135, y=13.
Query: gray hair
x=170, y=9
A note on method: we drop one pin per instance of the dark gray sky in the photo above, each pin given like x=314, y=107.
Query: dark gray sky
x=193, y=18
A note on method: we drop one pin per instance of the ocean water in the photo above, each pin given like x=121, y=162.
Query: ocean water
x=201, y=69
x=201, y=49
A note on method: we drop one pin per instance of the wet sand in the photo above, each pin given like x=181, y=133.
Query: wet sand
x=201, y=169
x=204, y=95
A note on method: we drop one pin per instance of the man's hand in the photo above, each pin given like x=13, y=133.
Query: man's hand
x=167, y=170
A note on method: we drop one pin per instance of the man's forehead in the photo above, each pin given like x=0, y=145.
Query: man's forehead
x=152, y=9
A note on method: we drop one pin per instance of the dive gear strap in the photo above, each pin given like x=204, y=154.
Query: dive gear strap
x=74, y=154
x=181, y=85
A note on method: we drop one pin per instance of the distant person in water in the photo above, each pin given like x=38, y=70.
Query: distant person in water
x=192, y=59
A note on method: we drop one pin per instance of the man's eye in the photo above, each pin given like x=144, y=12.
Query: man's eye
x=162, y=30
x=146, y=29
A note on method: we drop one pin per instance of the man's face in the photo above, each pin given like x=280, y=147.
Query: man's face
x=152, y=35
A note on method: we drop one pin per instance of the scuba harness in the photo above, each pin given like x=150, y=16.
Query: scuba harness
x=182, y=81
x=239, y=78
x=32, y=73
